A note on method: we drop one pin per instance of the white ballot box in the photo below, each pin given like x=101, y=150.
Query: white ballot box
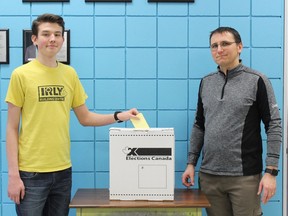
x=142, y=164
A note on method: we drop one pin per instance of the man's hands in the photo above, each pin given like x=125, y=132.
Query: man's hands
x=16, y=189
x=188, y=176
x=267, y=186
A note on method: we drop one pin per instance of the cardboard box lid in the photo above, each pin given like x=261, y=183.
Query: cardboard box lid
x=146, y=130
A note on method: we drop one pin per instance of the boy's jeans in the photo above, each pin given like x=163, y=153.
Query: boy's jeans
x=46, y=194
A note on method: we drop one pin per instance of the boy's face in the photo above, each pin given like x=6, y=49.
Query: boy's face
x=49, y=39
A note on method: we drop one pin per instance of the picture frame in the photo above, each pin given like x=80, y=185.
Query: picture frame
x=4, y=46
x=45, y=0
x=108, y=0
x=30, y=50
x=172, y=1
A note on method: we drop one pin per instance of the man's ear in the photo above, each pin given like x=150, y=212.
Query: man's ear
x=240, y=47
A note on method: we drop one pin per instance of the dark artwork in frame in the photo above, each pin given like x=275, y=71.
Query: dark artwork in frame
x=173, y=1
x=45, y=0
x=30, y=50
x=4, y=46
x=108, y=0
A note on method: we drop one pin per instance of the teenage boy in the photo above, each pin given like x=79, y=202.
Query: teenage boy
x=40, y=96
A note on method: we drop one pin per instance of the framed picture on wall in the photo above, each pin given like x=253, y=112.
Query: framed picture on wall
x=176, y=1
x=4, y=46
x=30, y=50
x=108, y=0
x=45, y=0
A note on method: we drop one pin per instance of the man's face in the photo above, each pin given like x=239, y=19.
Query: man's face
x=49, y=39
x=225, y=51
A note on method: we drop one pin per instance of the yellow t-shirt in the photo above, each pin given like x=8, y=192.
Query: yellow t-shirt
x=46, y=96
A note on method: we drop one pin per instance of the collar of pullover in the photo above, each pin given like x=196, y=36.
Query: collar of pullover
x=232, y=72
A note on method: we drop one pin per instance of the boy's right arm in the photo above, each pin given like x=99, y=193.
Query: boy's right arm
x=16, y=189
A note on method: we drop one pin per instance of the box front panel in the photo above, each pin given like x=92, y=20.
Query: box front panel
x=142, y=164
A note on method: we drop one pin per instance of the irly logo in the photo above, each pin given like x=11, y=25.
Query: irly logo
x=51, y=93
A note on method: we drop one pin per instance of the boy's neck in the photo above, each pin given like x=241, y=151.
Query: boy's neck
x=49, y=62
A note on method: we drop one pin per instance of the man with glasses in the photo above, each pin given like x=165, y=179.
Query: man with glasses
x=232, y=102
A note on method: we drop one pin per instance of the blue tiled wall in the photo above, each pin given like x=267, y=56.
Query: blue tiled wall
x=145, y=55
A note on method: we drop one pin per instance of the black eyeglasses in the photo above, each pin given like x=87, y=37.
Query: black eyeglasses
x=222, y=44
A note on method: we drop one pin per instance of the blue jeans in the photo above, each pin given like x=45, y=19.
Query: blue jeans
x=46, y=194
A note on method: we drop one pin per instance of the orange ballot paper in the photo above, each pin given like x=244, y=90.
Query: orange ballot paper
x=139, y=122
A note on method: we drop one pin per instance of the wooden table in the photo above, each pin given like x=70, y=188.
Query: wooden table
x=94, y=202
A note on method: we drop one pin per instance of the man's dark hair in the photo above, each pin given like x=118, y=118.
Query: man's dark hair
x=233, y=31
x=50, y=18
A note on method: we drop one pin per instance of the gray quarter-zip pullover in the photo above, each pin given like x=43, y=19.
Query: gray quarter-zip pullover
x=227, y=123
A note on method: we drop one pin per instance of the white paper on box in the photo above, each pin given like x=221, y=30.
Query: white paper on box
x=142, y=164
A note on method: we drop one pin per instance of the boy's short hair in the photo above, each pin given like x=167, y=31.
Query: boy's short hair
x=50, y=18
